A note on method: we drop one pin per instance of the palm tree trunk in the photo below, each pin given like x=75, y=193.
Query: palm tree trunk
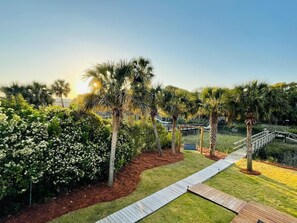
x=213, y=133
x=115, y=129
x=156, y=136
x=249, y=151
x=62, y=102
x=173, y=135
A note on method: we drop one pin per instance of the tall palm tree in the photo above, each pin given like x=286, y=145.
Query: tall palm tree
x=61, y=88
x=141, y=82
x=146, y=97
x=212, y=98
x=252, y=107
x=153, y=100
x=111, y=85
x=174, y=102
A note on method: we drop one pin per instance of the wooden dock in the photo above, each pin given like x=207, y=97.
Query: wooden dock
x=152, y=203
x=255, y=212
x=225, y=200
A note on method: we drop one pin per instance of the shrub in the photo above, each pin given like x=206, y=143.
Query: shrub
x=144, y=137
x=280, y=152
x=55, y=149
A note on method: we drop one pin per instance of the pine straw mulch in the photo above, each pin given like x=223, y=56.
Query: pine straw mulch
x=125, y=183
x=218, y=155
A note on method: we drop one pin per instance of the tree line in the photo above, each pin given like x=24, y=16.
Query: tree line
x=38, y=94
x=126, y=86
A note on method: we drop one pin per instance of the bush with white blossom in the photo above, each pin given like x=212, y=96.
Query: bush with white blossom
x=54, y=149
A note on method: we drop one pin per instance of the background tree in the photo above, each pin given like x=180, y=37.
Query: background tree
x=175, y=102
x=291, y=93
x=35, y=93
x=38, y=94
x=252, y=107
x=13, y=90
x=61, y=88
x=276, y=95
x=213, y=100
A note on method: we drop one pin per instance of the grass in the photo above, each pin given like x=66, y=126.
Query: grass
x=275, y=187
x=151, y=181
x=224, y=141
x=191, y=208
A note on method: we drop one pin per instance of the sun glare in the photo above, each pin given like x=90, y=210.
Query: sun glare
x=82, y=87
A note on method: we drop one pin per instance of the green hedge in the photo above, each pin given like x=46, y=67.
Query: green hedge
x=56, y=149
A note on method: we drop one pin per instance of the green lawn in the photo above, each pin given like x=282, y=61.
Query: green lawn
x=224, y=141
x=151, y=181
x=275, y=187
x=191, y=208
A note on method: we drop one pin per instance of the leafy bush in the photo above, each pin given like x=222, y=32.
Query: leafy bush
x=144, y=137
x=55, y=149
x=280, y=152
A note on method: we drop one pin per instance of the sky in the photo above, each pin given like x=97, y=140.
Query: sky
x=191, y=44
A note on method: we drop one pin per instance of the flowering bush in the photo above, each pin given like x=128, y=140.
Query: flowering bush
x=53, y=149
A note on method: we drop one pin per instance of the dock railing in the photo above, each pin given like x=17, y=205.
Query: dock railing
x=258, y=140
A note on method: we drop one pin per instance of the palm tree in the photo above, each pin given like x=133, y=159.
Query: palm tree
x=13, y=90
x=111, y=85
x=212, y=98
x=141, y=82
x=153, y=100
x=38, y=94
x=174, y=102
x=61, y=88
x=251, y=105
x=146, y=97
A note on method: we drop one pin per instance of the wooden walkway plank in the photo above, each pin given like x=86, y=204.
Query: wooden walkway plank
x=151, y=203
x=216, y=196
x=247, y=212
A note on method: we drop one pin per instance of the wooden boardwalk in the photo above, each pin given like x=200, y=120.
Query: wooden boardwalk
x=227, y=201
x=250, y=212
x=152, y=203
x=254, y=212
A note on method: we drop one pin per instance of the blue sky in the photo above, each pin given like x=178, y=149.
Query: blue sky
x=190, y=43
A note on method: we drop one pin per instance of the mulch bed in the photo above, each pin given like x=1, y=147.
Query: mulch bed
x=218, y=155
x=125, y=183
x=253, y=172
